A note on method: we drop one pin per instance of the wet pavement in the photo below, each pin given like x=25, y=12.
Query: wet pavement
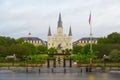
x=56, y=74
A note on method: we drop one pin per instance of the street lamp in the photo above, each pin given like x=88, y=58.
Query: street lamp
x=104, y=59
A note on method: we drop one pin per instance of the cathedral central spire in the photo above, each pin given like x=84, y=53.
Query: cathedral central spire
x=60, y=17
x=60, y=21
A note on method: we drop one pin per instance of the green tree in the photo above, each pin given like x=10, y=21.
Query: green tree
x=36, y=58
x=81, y=58
x=19, y=50
x=68, y=51
x=103, y=40
x=41, y=49
x=101, y=49
x=6, y=41
x=77, y=49
x=113, y=38
x=19, y=41
x=3, y=51
x=31, y=47
x=52, y=51
x=115, y=55
x=86, y=49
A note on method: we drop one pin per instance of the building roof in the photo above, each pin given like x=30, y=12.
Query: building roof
x=88, y=38
x=32, y=38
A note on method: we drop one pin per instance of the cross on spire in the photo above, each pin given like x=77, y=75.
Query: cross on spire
x=60, y=21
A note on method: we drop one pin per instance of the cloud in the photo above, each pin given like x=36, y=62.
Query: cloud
x=19, y=17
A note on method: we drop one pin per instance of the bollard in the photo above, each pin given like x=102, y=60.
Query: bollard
x=39, y=70
x=64, y=70
x=27, y=69
x=90, y=69
x=52, y=70
x=81, y=70
x=86, y=69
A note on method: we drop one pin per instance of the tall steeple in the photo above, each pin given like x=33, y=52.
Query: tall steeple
x=70, y=31
x=49, y=32
x=60, y=21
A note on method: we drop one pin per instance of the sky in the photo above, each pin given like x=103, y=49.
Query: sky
x=19, y=17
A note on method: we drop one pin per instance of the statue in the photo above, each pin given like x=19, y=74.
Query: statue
x=59, y=48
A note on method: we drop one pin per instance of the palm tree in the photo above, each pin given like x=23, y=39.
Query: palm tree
x=52, y=51
x=68, y=51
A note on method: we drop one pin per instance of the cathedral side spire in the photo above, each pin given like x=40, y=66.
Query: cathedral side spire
x=49, y=32
x=70, y=31
x=60, y=21
x=60, y=17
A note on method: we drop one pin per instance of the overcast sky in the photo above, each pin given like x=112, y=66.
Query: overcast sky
x=19, y=17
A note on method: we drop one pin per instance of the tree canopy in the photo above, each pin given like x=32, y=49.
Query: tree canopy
x=113, y=38
x=115, y=55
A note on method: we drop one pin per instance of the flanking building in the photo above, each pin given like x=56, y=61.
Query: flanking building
x=34, y=40
x=85, y=40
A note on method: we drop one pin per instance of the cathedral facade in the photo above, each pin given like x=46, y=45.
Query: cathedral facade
x=60, y=40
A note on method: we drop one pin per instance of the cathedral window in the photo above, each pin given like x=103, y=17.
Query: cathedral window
x=67, y=44
x=52, y=44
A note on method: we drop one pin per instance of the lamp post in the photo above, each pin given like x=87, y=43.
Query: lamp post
x=104, y=59
x=59, y=61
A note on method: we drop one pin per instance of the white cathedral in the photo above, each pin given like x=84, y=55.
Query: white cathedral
x=60, y=40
